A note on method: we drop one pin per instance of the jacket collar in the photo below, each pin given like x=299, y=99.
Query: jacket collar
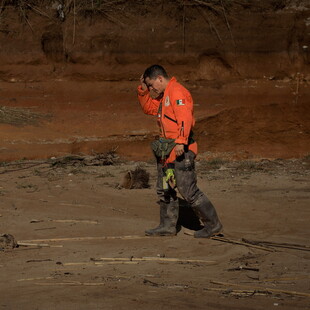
x=172, y=81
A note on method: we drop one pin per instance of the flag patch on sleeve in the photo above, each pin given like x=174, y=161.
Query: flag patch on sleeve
x=181, y=102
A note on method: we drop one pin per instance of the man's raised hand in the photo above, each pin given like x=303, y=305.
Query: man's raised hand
x=143, y=85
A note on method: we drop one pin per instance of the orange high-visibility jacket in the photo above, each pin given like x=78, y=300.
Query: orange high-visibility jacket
x=175, y=118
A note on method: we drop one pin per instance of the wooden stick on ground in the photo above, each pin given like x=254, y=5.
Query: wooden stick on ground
x=76, y=205
x=223, y=290
x=279, y=245
x=237, y=292
x=38, y=244
x=34, y=279
x=72, y=283
x=98, y=263
x=136, y=260
x=87, y=238
x=74, y=221
x=294, y=293
x=222, y=239
x=160, y=259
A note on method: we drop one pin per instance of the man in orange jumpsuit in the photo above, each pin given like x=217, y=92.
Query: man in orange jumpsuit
x=173, y=106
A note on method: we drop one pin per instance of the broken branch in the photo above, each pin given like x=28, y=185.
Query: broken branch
x=279, y=245
x=86, y=238
x=263, y=289
x=222, y=239
x=38, y=244
x=161, y=259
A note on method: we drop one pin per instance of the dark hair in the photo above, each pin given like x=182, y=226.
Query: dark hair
x=154, y=71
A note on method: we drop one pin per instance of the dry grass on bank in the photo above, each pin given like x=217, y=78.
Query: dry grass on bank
x=20, y=116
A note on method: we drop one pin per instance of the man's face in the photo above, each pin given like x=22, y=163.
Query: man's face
x=156, y=85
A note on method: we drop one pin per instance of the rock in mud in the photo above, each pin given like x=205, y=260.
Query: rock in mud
x=7, y=241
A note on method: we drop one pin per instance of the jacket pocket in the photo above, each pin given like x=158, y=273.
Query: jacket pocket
x=171, y=119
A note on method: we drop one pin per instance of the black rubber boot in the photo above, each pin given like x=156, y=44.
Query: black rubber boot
x=169, y=213
x=207, y=214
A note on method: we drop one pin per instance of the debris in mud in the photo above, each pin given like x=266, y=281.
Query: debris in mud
x=243, y=268
x=109, y=158
x=20, y=116
x=222, y=239
x=136, y=179
x=245, y=293
x=158, y=259
x=20, y=165
x=7, y=241
x=278, y=245
x=145, y=281
x=262, y=290
x=38, y=260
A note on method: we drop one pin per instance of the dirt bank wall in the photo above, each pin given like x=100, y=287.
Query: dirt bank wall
x=114, y=40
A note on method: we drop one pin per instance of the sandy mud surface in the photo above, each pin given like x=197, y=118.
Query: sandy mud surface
x=83, y=244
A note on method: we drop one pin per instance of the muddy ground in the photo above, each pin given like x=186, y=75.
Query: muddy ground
x=79, y=216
